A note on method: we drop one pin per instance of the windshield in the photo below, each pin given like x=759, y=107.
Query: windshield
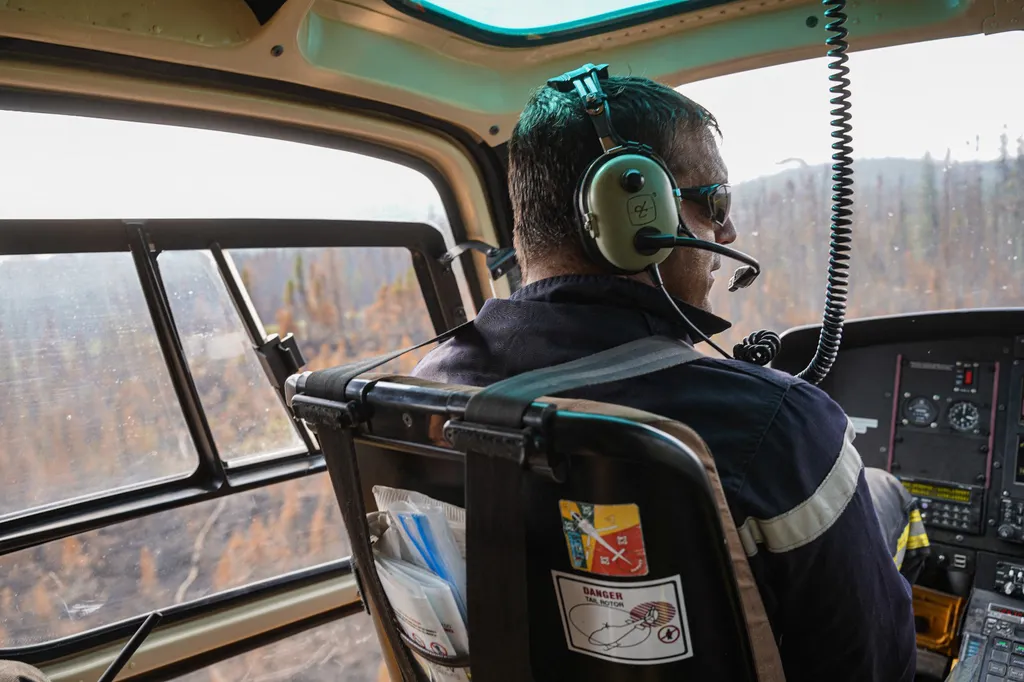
x=938, y=181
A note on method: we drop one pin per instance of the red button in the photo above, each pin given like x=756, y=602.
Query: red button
x=968, y=377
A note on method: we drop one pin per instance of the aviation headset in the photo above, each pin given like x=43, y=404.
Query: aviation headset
x=628, y=200
x=630, y=210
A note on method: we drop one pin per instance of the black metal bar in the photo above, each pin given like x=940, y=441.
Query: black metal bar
x=440, y=294
x=92, y=236
x=181, y=668
x=61, y=520
x=125, y=655
x=174, y=356
x=177, y=613
x=239, y=296
x=254, y=328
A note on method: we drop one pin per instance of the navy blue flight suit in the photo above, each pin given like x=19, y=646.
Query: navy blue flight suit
x=837, y=602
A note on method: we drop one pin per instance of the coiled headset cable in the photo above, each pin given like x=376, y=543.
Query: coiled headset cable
x=839, y=244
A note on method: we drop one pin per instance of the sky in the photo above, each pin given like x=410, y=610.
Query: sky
x=907, y=100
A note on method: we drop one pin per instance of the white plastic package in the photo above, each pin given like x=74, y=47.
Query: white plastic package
x=419, y=552
x=456, y=516
x=427, y=539
x=414, y=610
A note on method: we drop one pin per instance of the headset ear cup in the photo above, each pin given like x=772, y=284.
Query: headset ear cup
x=623, y=192
x=589, y=228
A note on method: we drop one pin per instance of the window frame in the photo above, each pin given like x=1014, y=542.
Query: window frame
x=144, y=239
x=54, y=524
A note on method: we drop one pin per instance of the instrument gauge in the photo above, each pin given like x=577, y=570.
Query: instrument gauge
x=921, y=411
x=964, y=416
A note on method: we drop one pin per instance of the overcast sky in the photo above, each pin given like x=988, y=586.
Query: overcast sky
x=908, y=100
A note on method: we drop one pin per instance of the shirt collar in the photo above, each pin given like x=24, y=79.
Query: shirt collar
x=621, y=292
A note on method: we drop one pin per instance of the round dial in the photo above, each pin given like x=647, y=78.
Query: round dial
x=964, y=416
x=921, y=411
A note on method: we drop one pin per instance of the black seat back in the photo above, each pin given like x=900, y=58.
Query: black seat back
x=667, y=608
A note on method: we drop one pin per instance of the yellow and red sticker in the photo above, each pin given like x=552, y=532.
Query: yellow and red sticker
x=604, y=539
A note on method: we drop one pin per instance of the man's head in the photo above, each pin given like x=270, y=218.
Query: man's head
x=554, y=142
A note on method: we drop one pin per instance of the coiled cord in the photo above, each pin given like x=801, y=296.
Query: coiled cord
x=760, y=348
x=842, y=177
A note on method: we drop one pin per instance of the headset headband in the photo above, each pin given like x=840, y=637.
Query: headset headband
x=586, y=82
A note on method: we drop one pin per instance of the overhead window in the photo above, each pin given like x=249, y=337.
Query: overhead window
x=532, y=23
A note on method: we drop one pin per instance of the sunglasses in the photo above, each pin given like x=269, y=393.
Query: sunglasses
x=716, y=198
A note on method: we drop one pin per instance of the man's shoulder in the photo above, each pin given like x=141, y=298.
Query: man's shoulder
x=788, y=435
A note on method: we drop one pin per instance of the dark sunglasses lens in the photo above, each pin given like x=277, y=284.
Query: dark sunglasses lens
x=721, y=202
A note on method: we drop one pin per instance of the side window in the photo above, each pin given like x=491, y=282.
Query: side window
x=69, y=586
x=343, y=304
x=87, y=403
x=244, y=412
x=90, y=414
x=938, y=181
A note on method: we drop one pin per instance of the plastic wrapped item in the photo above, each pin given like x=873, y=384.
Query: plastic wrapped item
x=422, y=569
x=456, y=516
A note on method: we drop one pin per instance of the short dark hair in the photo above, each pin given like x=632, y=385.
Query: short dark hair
x=554, y=142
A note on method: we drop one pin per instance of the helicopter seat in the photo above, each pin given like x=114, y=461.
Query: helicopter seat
x=599, y=542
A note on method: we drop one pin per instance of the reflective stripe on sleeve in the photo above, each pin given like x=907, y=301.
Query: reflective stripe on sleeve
x=811, y=518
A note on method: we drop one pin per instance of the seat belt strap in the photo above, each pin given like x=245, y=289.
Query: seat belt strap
x=495, y=515
x=335, y=380
x=505, y=402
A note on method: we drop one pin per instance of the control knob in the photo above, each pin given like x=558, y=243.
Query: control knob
x=1005, y=531
x=1008, y=588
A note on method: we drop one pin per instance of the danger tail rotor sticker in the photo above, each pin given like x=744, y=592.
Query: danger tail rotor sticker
x=637, y=623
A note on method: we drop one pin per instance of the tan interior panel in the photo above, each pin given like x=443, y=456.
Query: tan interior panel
x=338, y=45
x=178, y=642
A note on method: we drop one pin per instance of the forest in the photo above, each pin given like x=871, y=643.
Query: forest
x=88, y=406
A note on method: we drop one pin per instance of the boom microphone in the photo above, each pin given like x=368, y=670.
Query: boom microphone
x=742, y=278
x=759, y=348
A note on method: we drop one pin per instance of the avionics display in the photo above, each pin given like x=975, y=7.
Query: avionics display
x=939, y=492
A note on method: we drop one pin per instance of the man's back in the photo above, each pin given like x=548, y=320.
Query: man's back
x=793, y=480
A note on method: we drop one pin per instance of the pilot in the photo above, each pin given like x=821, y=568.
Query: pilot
x=838, y=605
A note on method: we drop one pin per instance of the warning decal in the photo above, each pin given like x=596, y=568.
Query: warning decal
x=639, y=623
x=605, y=539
